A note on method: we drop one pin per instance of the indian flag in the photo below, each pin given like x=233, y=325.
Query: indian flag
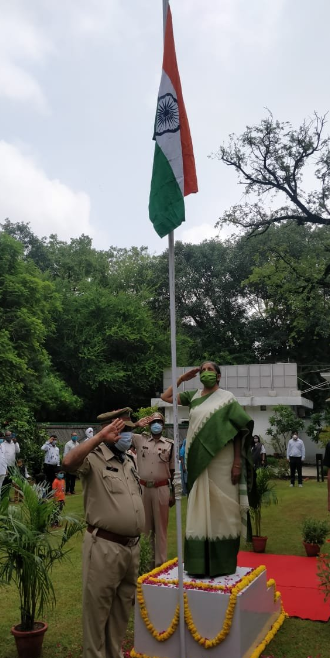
x=174, y=173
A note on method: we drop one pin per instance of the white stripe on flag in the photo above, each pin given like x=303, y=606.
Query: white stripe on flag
x=170, y=143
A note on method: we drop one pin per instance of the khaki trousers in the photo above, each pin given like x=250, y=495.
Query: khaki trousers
x=110, y=572
x=156, y=508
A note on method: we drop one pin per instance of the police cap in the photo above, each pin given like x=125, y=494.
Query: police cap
x=109, y=416
x=157, y=416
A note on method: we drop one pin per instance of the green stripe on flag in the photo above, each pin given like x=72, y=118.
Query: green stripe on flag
x=166, y=204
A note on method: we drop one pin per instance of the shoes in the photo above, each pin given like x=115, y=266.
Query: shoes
x=291, y=485
x=299, y=485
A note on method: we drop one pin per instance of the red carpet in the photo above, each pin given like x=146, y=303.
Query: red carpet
x=296, y=579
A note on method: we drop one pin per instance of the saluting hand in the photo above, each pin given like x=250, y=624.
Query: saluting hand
x=143, y=421
x=189, y=375
x=110, y=433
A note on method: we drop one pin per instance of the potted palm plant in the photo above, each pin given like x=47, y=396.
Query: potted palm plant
x=28, y=551
x=314, y=534
x=264, y=495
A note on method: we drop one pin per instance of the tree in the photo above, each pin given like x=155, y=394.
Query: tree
x=270, y=160
x=211, y=309
x=282, y=425
x=319, y=428
x=29, y=383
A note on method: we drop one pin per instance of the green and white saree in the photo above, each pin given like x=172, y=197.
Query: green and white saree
x=217, y=512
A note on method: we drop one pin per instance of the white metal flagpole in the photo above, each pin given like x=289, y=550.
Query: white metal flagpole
x=177, y=475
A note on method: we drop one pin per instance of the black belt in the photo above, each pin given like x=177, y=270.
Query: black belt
x=112, y=536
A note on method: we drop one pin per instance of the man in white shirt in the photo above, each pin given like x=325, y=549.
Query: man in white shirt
x=70, y=478
x=10, y=449
x=295, y=454
x=52, y=459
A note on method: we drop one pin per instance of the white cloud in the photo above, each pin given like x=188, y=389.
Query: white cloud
x=28, y=195
x=21, y=44
x=197, y=234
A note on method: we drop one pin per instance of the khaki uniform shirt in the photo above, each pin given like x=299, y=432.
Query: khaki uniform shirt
x=155, y=458
x=112, y=493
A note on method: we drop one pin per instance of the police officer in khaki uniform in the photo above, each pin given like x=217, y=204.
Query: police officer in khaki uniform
x=115, y=517
x=156, y=464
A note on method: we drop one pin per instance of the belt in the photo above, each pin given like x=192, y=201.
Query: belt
x=152, y=484
x=112, y=536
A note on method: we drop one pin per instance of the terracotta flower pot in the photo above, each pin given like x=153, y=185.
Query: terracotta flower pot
x=312, y=550
x=259, y=544
x=29, y=643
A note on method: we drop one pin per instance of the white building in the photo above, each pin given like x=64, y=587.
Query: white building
x=258, y=388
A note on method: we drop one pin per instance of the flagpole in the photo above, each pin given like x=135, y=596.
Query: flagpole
x=177, y=475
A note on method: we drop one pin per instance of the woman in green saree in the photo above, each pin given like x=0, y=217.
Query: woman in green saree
x=220, y=472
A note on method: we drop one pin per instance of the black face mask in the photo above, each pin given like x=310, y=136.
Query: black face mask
x=8, y=439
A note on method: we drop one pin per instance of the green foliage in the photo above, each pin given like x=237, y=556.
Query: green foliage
x=264, y=497
x=146, y=554
x=282, y=424
x=82, y=328
x=319, y=428
x=315, y=531
x=28, y=550
x=323, y=574
x=27, y=305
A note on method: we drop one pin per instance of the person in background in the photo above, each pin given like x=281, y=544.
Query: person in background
x=184, y=474
x=258, y=453
x=295, y=454
x=58, y=488
x=52, y=459
x=11, y=450
x=3, y=462
x=89, y=433
x=115, y=519
x=155, y=459
x=70, y=478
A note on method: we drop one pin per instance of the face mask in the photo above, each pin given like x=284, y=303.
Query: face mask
x=8, y=439
x=208, y=378
x=60, y=476
x=124, y=442
x=1, y=440
x=156, y=428
x=74, y=438
x=54, y=444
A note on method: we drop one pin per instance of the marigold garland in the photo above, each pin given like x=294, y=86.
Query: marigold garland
x=255, y=654
x=162, y=636
x=221, y=636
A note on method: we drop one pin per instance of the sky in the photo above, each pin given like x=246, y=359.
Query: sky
x=78, y=89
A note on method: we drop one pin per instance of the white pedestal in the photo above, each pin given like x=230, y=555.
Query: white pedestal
x=255, y=613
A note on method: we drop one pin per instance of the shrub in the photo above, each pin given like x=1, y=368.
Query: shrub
x=315, y=531
x=323, y=574
x=265, y=495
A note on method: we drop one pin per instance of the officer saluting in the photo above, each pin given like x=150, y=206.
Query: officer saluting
x=155, y=458
x=115, y=517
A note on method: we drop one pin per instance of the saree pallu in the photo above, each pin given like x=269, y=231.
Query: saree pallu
x=217, y=510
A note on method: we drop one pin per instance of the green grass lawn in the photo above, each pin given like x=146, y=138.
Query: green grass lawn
x=281, y=523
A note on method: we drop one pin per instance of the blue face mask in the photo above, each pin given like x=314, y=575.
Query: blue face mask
x=156, y=428
x=74, y=438
x=124, y=442
x=1, y=440
x=60, y=476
